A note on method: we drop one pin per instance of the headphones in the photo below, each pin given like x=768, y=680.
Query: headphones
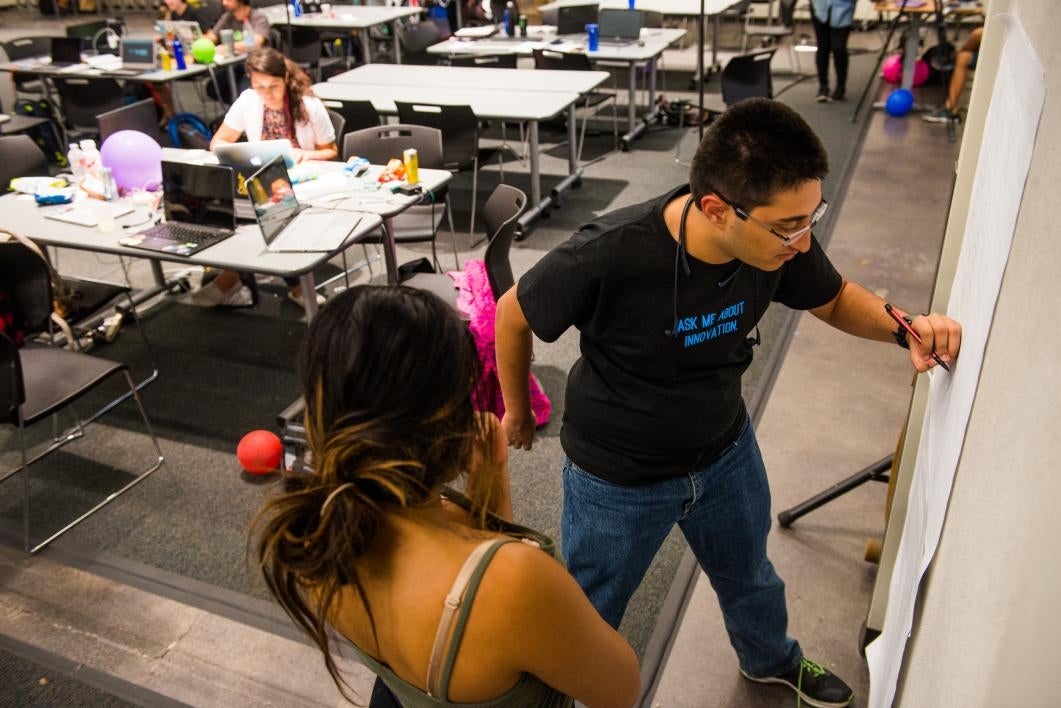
x=680, y=254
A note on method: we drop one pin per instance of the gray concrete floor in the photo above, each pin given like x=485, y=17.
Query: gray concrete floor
x=838, y=404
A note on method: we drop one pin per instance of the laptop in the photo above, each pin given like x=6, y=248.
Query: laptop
x=286, y=226
x=141, y=116
x=572, y=19
x=199, y=210
x=138, y=54
x=247, y=158
x=66, y=51
x=619, y=27
x=185, y=30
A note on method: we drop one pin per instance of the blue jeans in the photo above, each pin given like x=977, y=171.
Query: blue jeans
x=611, y=532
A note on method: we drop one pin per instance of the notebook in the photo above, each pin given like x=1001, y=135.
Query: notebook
x=619, y=27
x=83, y=213
x=285, y=224
x=247, y=158
x=199, y=209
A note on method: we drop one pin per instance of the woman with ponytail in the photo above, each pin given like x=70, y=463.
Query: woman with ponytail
x=279, y=104
x=439, y=593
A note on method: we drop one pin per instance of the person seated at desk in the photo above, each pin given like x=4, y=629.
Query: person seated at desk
x=240, y=17
x=180, y=11
x=440, y=594
x=279, y=104
x=963, y=63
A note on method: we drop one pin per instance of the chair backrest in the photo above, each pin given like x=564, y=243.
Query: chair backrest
x=748, y=76
x=28, y=286
x=27, y=47
x=357, y=114
x=561, y=61
x=490, y=61
x=12, y=391
x=651, y=19
x=338, y=124
x=86, y=31
x=22, y=158
x=141, y=116
x=500, y=215
x=415, y=38
x=304, y=46
x=84, y=99
x=383, y=142
x=460, y=129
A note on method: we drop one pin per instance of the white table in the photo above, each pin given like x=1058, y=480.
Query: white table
x=349, y=17
x=510, y=103
x=645, y=52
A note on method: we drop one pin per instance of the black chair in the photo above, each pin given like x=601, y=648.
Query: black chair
x=27, y=48
x=772, y=33
x=378, y=144
x=577, y=61
x=338, y=125
x=747, y=76
x=21, y=156
x=82, y=100
x=39, y=381
x=303, y=45
x=460, y=140
x=415, y=38
x=357, y=114
x=500, y=217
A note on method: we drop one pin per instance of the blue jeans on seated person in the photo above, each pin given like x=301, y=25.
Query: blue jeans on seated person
x=611, y=532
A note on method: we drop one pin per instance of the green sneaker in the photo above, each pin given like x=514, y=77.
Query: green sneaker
x=814, y=685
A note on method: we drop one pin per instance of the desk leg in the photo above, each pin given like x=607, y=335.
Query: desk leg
x=390, y=253
x=540, y=207
x=397, y=44
x=366, y=46
x=572, y=141
x=232, y=88
x=156, y=272
x=631, y=90
x=913, y=35
x=309, y=294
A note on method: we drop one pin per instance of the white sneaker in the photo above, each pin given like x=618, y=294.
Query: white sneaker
x=301, y=302
x=211, y=296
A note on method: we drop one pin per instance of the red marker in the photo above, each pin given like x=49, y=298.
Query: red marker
x=910, y=330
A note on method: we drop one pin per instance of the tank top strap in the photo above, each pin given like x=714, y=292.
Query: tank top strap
x=455, y=617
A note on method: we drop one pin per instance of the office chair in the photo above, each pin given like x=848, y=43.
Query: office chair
x=27, y=48
x=303, y=45
x=141, y=116
x=357, y=114
x=771, y=34
x=415, y=38
x=500, y=217
x=460, y=140
x=22, y=157
x=378, y=144
x=338, y=125
x=485, y=61
x=39, y=381
x=577, y=61
x=82, y=100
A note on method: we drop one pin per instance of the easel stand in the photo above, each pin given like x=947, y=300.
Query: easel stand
x=877, y=472
x=880, y=60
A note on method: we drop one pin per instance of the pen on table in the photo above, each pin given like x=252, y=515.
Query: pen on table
x=910, y=330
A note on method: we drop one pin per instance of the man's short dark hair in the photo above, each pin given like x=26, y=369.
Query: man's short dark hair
x=754, y=151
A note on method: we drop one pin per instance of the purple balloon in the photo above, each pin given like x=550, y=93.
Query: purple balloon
x=134, y=158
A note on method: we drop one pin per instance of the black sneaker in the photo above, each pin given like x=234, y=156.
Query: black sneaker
x=838, y=94
x=941, y=115
x=823, y=95
x=814, y=685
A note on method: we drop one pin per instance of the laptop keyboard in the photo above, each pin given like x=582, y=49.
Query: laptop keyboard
x=181, y=233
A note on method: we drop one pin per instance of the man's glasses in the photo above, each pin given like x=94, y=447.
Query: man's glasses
x=791, y=238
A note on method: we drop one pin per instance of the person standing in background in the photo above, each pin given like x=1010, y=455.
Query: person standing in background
x=832, y=24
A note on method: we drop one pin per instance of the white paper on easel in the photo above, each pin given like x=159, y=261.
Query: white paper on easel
x=1005, y=157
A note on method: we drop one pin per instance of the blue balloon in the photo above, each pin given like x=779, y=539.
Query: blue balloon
x=899, y=102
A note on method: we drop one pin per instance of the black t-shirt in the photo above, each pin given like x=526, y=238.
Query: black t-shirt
x=190, y=14
x=656, y=392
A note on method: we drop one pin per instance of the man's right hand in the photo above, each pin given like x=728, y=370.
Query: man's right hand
x=519, y=429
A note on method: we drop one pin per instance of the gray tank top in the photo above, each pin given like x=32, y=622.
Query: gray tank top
x=529, y=691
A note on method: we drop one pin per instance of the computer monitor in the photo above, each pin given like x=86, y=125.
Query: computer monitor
x=572, y=19
x=141, y=116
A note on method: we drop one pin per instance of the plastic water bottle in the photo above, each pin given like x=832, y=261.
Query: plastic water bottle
x=110, y=187
x=90, y=159
x=73, y=158
x=178, y=54
x=510, y=18
x=296, y=8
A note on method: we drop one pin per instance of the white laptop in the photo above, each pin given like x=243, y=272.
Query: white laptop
x=247, y=158
x=185, y=30
x=287, y=226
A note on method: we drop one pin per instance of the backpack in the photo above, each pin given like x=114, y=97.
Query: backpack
x=46, y=135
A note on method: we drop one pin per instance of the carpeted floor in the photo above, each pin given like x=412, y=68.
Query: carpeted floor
x=224, y=373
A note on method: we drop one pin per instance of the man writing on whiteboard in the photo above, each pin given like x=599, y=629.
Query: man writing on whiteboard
x=666, y=296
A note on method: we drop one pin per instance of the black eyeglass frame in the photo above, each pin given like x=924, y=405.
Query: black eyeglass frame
x=815, y=218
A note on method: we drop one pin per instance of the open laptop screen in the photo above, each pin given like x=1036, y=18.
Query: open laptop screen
x=616, y=23
x=273, y=197
x=66, y=50
x=138, y=53
x=572, y=19
x=247, y=158
x=198, y=194
x=141, y=116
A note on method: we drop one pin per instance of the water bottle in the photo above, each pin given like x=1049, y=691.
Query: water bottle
x=510, y=18
x=90, y=159
x=178, y=54
x=296, y=8
x=110, y=187
x=74, y=157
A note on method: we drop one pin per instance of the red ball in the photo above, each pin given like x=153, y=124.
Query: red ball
x=260, y=452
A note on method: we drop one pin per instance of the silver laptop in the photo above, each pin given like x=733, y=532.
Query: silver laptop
x=285, y=224
x=185, y=30
x=247, y=158
x=139, y=54
x=619, y=27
